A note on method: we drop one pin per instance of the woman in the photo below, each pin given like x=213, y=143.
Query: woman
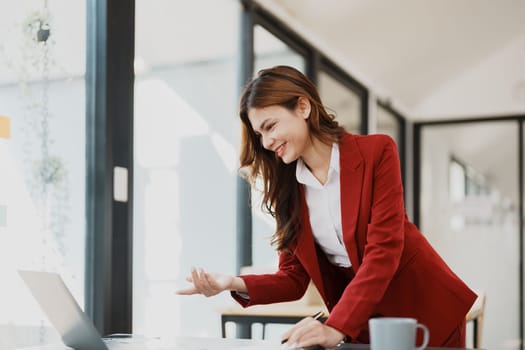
x=338, y=202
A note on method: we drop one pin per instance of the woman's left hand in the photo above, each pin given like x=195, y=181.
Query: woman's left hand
x=310, y=332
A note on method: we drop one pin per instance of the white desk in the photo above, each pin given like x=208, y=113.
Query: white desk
x=191, y=343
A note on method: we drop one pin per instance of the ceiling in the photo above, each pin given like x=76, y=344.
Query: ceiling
x=431, y=59
x=436, y=59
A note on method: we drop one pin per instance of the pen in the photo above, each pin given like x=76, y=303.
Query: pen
x=316, y=316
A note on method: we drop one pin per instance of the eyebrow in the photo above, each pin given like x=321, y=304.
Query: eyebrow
x=263, y=124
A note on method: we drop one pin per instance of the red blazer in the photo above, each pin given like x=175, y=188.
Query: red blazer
x=397, y=272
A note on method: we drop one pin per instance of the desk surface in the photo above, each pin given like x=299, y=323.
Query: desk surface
x=191, y=343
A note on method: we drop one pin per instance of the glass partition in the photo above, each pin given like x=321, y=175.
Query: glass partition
x=387, y=123
x=270, y=51
x=341, y=102
x=42, y=158
x=469, y=213
x=186, y=158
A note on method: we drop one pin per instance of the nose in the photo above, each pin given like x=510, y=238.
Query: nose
x=267, y=141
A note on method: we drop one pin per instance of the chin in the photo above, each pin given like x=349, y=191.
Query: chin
x=288, y=160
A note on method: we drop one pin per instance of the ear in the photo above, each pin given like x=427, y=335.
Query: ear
x=303, y=107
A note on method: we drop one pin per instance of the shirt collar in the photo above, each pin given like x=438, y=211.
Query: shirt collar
x=305, y=176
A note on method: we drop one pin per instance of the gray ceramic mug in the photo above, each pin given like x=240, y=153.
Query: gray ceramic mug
x=396, y=333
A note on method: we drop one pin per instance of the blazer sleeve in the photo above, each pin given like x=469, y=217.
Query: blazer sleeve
x=288, y=283
x=383, y=248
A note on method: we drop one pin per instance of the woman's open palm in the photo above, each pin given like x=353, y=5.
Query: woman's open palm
x=206, y=283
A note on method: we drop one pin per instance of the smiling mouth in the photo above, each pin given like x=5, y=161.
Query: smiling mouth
x=280, y=150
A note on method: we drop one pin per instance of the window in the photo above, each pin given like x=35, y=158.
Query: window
x=468, y=225
x=341, y=102
x=456, y=180
x=186, y=159
x=42, y=158
x=270, y=51
x=388, y=123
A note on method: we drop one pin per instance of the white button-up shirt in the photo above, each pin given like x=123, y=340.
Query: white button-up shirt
x=324, y=208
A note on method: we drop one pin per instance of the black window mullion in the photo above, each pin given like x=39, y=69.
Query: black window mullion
x=109, y=114
x=243, y=206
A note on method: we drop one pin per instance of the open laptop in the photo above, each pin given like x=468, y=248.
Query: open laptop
x=75, y=328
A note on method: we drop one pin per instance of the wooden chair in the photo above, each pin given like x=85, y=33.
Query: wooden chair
x=280, y=313
x=475, y=315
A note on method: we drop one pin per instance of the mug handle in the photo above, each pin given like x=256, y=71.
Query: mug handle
x=426, y=335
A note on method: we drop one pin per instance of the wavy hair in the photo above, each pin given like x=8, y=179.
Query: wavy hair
x=282, y=86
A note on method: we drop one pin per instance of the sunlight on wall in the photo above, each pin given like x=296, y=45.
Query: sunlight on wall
x=164, y=122
x=163, y=118
x=161, y=217
x=24, y=245
x=226, y=152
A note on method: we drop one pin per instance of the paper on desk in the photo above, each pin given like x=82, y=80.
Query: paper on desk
x=189, y=343
x=261, y=345
x=271, y=345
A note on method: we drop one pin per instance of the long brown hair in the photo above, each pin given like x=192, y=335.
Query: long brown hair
x=281, y=85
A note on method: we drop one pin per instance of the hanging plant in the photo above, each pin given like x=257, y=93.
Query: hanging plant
x=50, y=171
x=37, y=26
x=47, y=172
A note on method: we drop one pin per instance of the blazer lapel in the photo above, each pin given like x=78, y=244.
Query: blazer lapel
x=305, y=248
x=351, y=165
x=352, y=169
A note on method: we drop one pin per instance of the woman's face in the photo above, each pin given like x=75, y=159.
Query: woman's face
x=281, y=130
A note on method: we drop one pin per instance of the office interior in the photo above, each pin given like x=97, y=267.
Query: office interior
x=119, y=145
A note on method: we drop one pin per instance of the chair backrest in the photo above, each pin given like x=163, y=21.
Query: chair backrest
x=476, y=315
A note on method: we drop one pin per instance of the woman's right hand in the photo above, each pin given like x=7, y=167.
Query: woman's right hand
x=207, y=283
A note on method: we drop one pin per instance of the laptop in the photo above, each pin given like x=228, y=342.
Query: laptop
x=75, y=328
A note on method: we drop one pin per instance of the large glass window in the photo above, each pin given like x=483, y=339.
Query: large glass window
x=476, y=231
x=270, y=51
x=341, y=102
x=387, y=123
x=186, y=158
x=42, y=158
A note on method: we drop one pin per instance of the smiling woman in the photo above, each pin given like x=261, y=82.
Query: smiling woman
x=337, y=199
x=282, y=131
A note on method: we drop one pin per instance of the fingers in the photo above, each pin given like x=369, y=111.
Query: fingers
x=295, y=334
x=200, y=282
x=196, y=279
x=203, y=283
x=286, y=335
x=187, y=291
x=208, y=288
x=310, y=332
x=209, y=282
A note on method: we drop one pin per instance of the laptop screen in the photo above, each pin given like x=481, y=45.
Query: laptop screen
x=62, y=310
